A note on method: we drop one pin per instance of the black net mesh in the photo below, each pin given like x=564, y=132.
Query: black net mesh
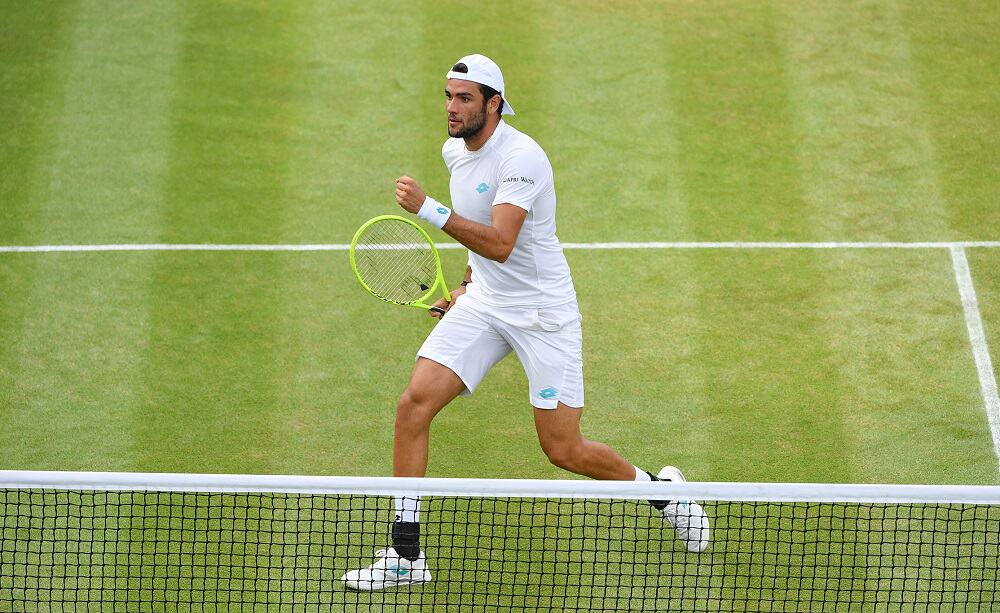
x=171, y=551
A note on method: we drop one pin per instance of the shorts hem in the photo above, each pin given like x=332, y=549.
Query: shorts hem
x=534, y=405
x=468, y=388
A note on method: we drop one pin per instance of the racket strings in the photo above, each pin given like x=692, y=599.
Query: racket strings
x=395, y=261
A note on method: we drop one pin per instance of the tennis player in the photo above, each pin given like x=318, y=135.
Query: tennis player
x=517, y=296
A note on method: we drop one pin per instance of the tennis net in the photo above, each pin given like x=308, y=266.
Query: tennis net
x=171, y=542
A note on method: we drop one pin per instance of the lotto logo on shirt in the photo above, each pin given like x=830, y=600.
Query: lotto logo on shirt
x=482, y=187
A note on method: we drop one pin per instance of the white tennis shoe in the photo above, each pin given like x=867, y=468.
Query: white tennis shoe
x=389, y=570
x=686, y=517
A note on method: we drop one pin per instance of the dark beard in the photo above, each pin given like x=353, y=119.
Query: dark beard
x=473, y=127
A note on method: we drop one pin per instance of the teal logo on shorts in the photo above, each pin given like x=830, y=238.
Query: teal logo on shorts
x=482, y=187
x=549, y=392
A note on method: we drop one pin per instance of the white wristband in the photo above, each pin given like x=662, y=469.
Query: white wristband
x=434, y=213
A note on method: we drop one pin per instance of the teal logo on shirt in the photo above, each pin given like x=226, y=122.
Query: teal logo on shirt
x=549, y=392
x=482, y=187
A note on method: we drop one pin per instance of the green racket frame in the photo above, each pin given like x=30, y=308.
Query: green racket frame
x=439, y=281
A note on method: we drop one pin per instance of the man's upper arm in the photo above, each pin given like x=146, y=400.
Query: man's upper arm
x=508, y=219
x=522, y=177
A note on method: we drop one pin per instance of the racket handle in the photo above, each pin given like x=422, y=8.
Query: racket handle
x=438, y=310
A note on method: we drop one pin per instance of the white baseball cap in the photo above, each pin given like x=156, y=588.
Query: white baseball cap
x=481, y=69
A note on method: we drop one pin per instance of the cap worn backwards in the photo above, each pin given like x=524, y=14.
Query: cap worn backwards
x=483, y=70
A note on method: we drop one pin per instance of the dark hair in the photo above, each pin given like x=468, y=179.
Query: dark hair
x=487, y=91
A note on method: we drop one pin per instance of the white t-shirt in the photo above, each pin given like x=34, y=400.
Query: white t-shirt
x=511, y=169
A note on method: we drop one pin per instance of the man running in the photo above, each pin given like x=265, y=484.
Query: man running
x=517, y=296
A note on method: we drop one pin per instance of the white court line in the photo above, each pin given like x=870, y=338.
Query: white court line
x=648, y=245
x=977, y=336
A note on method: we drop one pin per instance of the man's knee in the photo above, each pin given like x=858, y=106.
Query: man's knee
x=563, y=454
x=414, y=410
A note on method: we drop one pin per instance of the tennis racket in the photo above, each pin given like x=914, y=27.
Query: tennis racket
x=394, y=259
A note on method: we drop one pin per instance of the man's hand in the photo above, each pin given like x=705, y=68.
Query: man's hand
x=409, y=195
x=442, y=304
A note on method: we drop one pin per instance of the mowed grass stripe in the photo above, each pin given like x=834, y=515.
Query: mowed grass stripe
x=642, y=193
x=736, y=138
x=736, y=82
x=358, y=127
x=71, y=388
x=211, y=364
x=107, y=166
x=896, y=318
x=749, y=407
x=984, y=267
x=867, y=163
x=33, y=43
x=216, y=369
x=368, y=111
x=956, y=56
x=609, y=129
x=233, y=119
x=797, y=388
x=732, y=142
x=868, y=170
x=105, y=170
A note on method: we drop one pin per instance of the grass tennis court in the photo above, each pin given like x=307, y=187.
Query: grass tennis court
x=266, y=362
x=250, y=122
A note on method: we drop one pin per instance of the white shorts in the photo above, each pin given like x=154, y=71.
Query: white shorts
x=473, y=337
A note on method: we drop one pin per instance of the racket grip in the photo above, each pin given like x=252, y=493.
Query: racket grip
x=438, y=310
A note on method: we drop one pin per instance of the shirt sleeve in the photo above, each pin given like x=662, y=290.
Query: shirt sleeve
x=523, y=176
x=446, y=155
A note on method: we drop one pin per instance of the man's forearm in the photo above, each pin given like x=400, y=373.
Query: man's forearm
x=495, y=241
x=483, y=240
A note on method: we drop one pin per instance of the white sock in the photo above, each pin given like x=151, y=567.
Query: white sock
x=408, y=508
x=641, y=475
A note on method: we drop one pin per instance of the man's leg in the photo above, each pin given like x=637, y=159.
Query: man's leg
x=457, y=354
x=559, y=434
x=431, y=387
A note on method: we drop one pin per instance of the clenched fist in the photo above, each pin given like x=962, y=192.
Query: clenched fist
x=408, y=194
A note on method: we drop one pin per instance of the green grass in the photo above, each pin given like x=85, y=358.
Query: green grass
x=985, y=265
x=256, y=122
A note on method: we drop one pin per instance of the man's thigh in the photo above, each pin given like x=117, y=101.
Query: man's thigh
x=466, y=342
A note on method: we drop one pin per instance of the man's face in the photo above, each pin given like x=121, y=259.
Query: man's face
x=466, y=108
